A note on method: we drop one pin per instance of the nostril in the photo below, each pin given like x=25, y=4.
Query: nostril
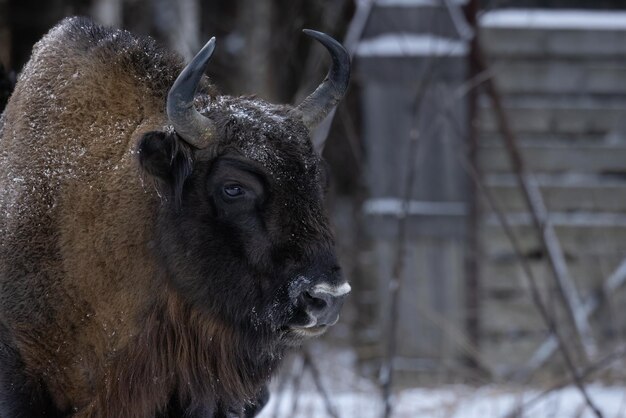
x=314, y=302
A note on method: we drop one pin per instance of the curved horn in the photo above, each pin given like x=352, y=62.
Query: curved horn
x=194, y=128
x=315, y=107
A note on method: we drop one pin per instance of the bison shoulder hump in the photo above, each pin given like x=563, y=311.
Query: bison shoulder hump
x=81, y=39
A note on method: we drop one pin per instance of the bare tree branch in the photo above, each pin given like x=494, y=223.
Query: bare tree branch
x=590, y=370
x=616, y=280
x=297, y=383
x=308, y=362
x=282, y=385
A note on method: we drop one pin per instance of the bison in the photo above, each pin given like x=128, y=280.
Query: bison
x=162, y=246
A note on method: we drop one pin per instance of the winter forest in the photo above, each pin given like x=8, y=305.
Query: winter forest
x=476, y=170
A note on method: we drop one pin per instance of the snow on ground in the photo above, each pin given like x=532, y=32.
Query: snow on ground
x=453, y=402
x=354, y=396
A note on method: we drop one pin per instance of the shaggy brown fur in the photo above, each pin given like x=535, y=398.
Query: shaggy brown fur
x=95, y=319
x=71, y=193
x=179, y=348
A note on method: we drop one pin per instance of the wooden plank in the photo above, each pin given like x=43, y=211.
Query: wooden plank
x=539, y=43
x=543, y=117
x=575, y=240
x=439, y=176
x=407, y=71
x=429, y=299
x=550, y=158
x=504, y=278
x=410, y=20
x=418, y=227
x=560, y=76
x=574, y=192
x=555, y=138
x=511, y=317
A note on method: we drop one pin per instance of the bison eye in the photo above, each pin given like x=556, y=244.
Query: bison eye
x=233, y=190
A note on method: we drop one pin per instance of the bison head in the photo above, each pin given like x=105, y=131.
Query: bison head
x=242, y=232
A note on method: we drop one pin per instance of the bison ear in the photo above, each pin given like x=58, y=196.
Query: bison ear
x=167, y=158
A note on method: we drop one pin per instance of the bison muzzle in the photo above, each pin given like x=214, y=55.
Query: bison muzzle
x=162, y=245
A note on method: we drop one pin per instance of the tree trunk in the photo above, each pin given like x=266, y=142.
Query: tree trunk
x=255, y=19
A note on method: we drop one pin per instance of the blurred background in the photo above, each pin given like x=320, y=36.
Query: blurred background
x=478, y=193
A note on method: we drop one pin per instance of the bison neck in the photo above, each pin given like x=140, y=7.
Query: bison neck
x=182, y=352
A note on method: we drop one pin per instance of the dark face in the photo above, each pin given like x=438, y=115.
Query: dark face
x=243, y=233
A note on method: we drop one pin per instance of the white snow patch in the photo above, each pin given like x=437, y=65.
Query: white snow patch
x=416, y=3
x=405, y=44
x=398, y=207
x=296, y=286
x=453, y=402
x=554, y=19
x=579, y=219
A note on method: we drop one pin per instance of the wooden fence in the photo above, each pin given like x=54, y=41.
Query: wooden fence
x=562, y=78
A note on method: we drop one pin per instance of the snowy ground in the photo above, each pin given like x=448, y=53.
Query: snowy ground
x=354, y=396
x=454, y=402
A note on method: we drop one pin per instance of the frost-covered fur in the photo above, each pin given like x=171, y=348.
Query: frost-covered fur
x=124, y=289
